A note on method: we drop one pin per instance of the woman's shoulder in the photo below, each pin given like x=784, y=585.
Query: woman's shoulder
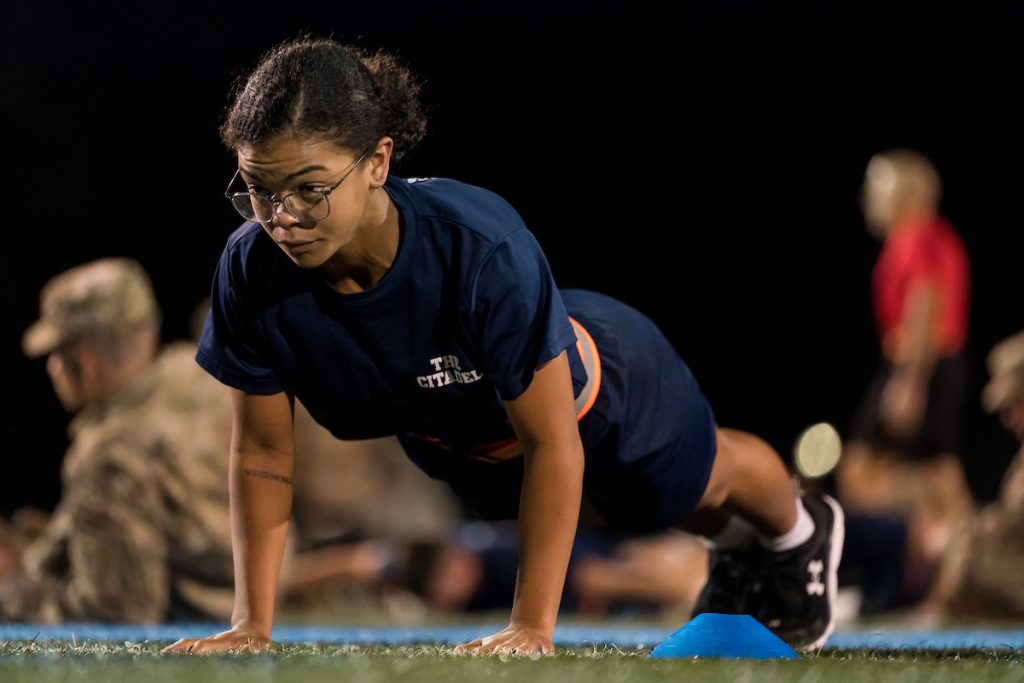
x=250, y=249
x=460, y=204
x=252, y=261
x=244, y=238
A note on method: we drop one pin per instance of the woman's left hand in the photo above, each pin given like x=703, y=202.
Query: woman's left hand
x=513, y=640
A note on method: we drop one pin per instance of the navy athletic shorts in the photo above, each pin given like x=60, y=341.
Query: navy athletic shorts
x=649, y=437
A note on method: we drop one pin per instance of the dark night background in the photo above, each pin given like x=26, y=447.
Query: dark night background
x=700, y=161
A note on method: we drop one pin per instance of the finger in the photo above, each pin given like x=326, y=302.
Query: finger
x=527, y=649
x=524, y=648
x=198, y=647
x=490, y=646
x=485, y=645
x=181, y=645
x=209, y=646
x=467, y=648
x=171, y=648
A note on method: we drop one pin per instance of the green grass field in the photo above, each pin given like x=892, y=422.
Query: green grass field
x=26, y=661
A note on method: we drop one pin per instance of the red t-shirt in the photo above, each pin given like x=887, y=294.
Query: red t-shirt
x=922, y=251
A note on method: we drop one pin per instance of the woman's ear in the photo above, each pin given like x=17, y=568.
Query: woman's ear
x=380, y=162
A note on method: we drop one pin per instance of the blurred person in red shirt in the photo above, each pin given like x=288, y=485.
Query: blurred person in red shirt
x=903, y=447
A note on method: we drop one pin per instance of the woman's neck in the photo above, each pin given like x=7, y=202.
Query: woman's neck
x=362, y=264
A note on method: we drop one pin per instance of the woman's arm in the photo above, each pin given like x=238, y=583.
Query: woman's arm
x=260, y=479
x=544, y=419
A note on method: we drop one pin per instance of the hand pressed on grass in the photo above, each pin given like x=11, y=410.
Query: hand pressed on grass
x=237, y=639
x=512, y=640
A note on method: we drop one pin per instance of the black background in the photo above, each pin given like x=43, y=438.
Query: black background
x=700, y=161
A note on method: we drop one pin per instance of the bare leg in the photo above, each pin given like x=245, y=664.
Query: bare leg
x=748, y=479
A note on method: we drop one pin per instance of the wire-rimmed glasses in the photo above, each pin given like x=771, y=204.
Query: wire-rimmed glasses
x=307, y=206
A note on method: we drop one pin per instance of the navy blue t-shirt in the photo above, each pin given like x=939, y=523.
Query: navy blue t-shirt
x=460, y=322
x=463, y=318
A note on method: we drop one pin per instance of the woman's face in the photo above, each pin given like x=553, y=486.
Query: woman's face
x=292, y=164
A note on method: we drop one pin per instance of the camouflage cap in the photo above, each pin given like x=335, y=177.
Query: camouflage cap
x=111, y=296
x=1006, y=372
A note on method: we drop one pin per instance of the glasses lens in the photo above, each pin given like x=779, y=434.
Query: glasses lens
x=307, y=206
x=253, y=207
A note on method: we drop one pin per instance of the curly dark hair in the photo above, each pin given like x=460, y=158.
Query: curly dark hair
x=320, y=88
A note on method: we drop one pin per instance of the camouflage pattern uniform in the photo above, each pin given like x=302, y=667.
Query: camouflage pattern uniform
x=142, y=531
x=987, y=558
x=356, y=490
x=985, y=562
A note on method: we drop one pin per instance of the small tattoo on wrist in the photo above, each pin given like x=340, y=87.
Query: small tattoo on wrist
x=268, y=475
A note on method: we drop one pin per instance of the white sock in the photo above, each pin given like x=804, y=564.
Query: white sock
x=737, y=535
x=800, y=532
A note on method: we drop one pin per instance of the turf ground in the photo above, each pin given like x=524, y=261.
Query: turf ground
x=586, y=653
x=312, y=663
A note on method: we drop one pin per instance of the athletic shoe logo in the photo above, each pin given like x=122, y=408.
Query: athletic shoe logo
x=816, y=568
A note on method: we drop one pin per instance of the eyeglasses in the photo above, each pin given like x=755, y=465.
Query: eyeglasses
x=307, y=206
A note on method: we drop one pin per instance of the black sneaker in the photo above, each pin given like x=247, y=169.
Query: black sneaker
x=798, y=586
x=733, y=582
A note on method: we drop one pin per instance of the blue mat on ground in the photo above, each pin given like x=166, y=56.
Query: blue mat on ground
x=624, y=637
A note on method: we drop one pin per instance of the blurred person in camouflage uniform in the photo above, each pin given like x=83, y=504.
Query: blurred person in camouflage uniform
x=983, y=564
x=141, y=532
x=359, y=505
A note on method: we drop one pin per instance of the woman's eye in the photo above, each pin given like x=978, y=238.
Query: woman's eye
x=312, y=188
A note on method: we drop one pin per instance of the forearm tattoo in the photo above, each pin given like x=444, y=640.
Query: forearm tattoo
x=269, y=475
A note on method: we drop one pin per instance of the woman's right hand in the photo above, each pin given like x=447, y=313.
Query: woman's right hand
x=260, y=470
x=236, y=639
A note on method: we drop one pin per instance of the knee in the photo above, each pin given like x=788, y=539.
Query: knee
x=722, y=471
x=743, y=463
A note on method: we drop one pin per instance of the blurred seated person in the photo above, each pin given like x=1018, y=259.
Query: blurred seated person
x=662, y=574
x=474, y=571
x=364, y=489
x=141, y=531
x=982, y=568
x=902, y=457
x=354, y=503
x=884, y=564
x=355, y=490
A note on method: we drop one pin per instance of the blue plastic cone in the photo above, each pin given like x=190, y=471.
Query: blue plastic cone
x=724, y=636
